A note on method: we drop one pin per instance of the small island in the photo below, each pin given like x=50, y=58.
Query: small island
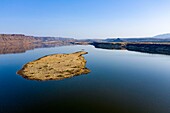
x=55, y=67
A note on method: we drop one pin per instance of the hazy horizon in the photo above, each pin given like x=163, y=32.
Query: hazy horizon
x=80, y=38
x=85, y=19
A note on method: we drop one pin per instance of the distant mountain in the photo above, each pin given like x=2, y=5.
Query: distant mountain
x=20, y=39
x=158, y=38
x=47, y=39
x=13, y=39
x=163, y=36
x=113, y=40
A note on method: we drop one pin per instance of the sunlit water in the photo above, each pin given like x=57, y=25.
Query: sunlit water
x=120, y=82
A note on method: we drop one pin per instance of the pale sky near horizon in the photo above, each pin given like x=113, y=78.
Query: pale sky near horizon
x=85, y=18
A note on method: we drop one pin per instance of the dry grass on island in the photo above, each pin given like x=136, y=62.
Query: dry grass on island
x=55, y=67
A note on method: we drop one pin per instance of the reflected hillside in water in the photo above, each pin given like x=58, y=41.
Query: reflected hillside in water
x=22, y=48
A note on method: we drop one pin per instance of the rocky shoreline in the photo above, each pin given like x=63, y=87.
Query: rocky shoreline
x=55, y=67
x=146, y=47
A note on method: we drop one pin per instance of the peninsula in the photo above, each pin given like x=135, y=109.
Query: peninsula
x=55, y=67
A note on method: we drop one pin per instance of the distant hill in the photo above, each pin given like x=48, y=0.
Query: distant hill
x=158, y=38
x=59, y=39
x=163, y=36
x=13, y=39
x=114, y=40
x=23, y=40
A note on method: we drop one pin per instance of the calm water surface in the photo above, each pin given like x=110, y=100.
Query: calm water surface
x=120, y=82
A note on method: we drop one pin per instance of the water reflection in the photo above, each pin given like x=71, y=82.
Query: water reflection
x=22, y=47
x=119, y=82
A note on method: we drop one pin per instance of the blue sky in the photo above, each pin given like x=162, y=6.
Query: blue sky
x=85, y=18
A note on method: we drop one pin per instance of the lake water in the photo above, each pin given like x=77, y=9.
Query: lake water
x=120, y=81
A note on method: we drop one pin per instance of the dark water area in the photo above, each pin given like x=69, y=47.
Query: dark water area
x=120, y=81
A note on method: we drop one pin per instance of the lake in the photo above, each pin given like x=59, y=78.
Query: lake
x=120, y=81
